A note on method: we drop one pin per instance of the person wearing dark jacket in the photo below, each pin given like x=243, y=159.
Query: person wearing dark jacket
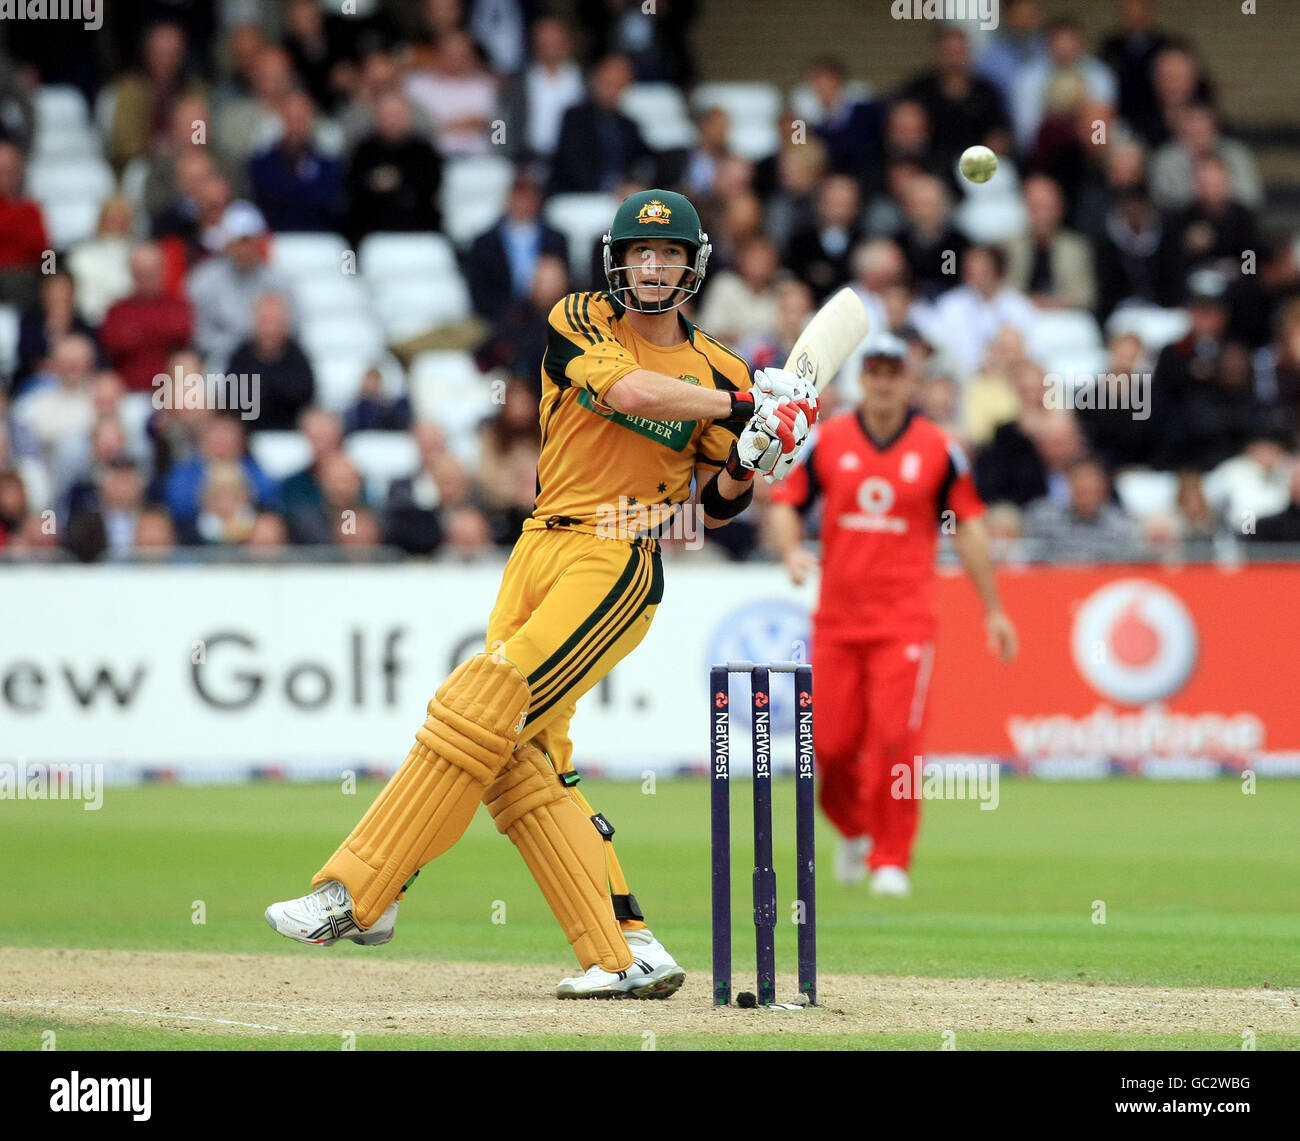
x=287, y=384
x=295, y=185
x=599, y=145
x=500, y=265
x=963, y=108
x=820, y=254
x=394, y=176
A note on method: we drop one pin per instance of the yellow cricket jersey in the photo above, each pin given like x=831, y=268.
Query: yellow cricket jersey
x=603, y=471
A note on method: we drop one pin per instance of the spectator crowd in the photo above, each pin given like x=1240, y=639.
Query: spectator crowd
x=251, y=177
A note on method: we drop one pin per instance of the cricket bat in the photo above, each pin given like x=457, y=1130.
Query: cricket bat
x=836, y=329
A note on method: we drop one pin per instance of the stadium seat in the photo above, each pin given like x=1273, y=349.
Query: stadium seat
x=106, y=110
x=1155, y=326
x=134, y=410
x=1074, y=362
x=473, y=195
x=307, y=255
x=1062, y=332
x=805, y=105
x=992, y=211
x=280, y=454
x=755, y=141
x=338, y=379
x=389, y=257
x=382, y=457
x=409, y=308
x=8, y=339
x=661, y=114
x=134, y=176
x=1144, y=493
x=744, y=102
x=755, y=110
x=582, y=219
x=359, y=336
x=59, y=106
x=57, y=179
x=67, y=223
x=65, y=143
x=448, y=389
x=323, y=295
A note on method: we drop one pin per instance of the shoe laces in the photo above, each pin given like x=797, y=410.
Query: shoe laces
x=332, y=896
x=641, y=937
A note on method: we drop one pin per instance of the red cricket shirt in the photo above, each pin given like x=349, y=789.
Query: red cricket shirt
x=882, y=505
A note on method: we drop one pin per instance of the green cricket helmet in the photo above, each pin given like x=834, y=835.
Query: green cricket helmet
x=656, y=214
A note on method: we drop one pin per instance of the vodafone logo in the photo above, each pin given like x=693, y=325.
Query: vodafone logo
x=875, y=495
x=1134, y=641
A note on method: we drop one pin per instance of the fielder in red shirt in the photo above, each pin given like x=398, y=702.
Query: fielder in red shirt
x=888, y=481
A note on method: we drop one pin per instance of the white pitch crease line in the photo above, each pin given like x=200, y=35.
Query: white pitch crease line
x=165, y=1014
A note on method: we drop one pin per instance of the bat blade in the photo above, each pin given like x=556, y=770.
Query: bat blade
x=836, y=329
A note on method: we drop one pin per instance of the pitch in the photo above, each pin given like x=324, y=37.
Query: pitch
x=1001, y=946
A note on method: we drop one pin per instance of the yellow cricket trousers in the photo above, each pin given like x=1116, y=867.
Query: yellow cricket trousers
x=571, y=607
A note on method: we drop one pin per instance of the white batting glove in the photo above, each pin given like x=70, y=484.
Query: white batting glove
x=758, y=448
x=785, y=386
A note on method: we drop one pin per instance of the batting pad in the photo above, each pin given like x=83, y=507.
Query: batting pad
x=565, y=853
x=474, y=721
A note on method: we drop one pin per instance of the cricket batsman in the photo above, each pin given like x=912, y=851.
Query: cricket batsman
x=888, y=479
x=636, y=405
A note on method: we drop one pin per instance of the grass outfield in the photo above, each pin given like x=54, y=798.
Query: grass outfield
x=1201, y=887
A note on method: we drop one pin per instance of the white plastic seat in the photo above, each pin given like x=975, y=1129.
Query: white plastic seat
x=106, y=110
x=382, y=457
x=61, y=179
x=805, y=105
x=755, y=141
x=65, y=143
x=754, y=110
x=1058, y=332
x=71, y=221
x=323, y=295
x=744, y=102
x=986, y=219
x=1155, y=326
x=280, y=454
x=338, y=380
x=387, y=257
x=308, y=255
x=360, y=336
x=473, y=195
x=134, y=410
x=1144, y=493
x=448, y=389
x=660, y=112
x=59, y=106
x=409, y=308
x=134, y=176
x=1076, y=362
x=582, y=219
x=8, y=338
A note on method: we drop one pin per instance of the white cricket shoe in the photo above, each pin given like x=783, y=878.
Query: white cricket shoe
x=851, y=859
x=891, y=881
x=325, y=917
x=654, y=973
